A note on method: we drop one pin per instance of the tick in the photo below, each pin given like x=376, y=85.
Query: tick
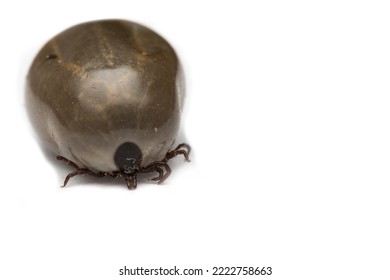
x=106, y=98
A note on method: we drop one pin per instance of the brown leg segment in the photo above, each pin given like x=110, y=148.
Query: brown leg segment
x=153, y=168
x=182, y=149
x=68, y=162
x=158, y=166
x=79, y=171
x=168, y=170
x=70, y=175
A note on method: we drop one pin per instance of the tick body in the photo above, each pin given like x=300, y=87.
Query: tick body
x=106, y=98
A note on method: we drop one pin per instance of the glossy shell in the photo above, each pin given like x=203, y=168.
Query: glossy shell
x=102, y=84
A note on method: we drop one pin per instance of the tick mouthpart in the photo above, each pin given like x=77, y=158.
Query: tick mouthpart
x=130, y=169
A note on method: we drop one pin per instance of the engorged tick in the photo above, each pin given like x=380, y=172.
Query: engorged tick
x=106, y=97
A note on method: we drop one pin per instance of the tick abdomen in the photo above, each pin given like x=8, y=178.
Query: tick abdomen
x=100, y=84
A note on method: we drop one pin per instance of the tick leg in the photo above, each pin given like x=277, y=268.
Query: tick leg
x=75, y=173
x=113, y=174
x=131, y=181
x=68, y=162
x=168, y=172
x=160, y=173
x=82, y=171
x=182, y=149
x=158, y=166
x=153, y=168
x=79, y=171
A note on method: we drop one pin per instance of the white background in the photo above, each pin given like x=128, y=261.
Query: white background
x=288, y=113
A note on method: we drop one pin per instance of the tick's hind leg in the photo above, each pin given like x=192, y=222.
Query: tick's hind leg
x=182, y=149
x=79, y=171
x=158, y=167
x=162, y=167
x=162, y=177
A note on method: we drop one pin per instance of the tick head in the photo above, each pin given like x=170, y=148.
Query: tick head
x=128, y=158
